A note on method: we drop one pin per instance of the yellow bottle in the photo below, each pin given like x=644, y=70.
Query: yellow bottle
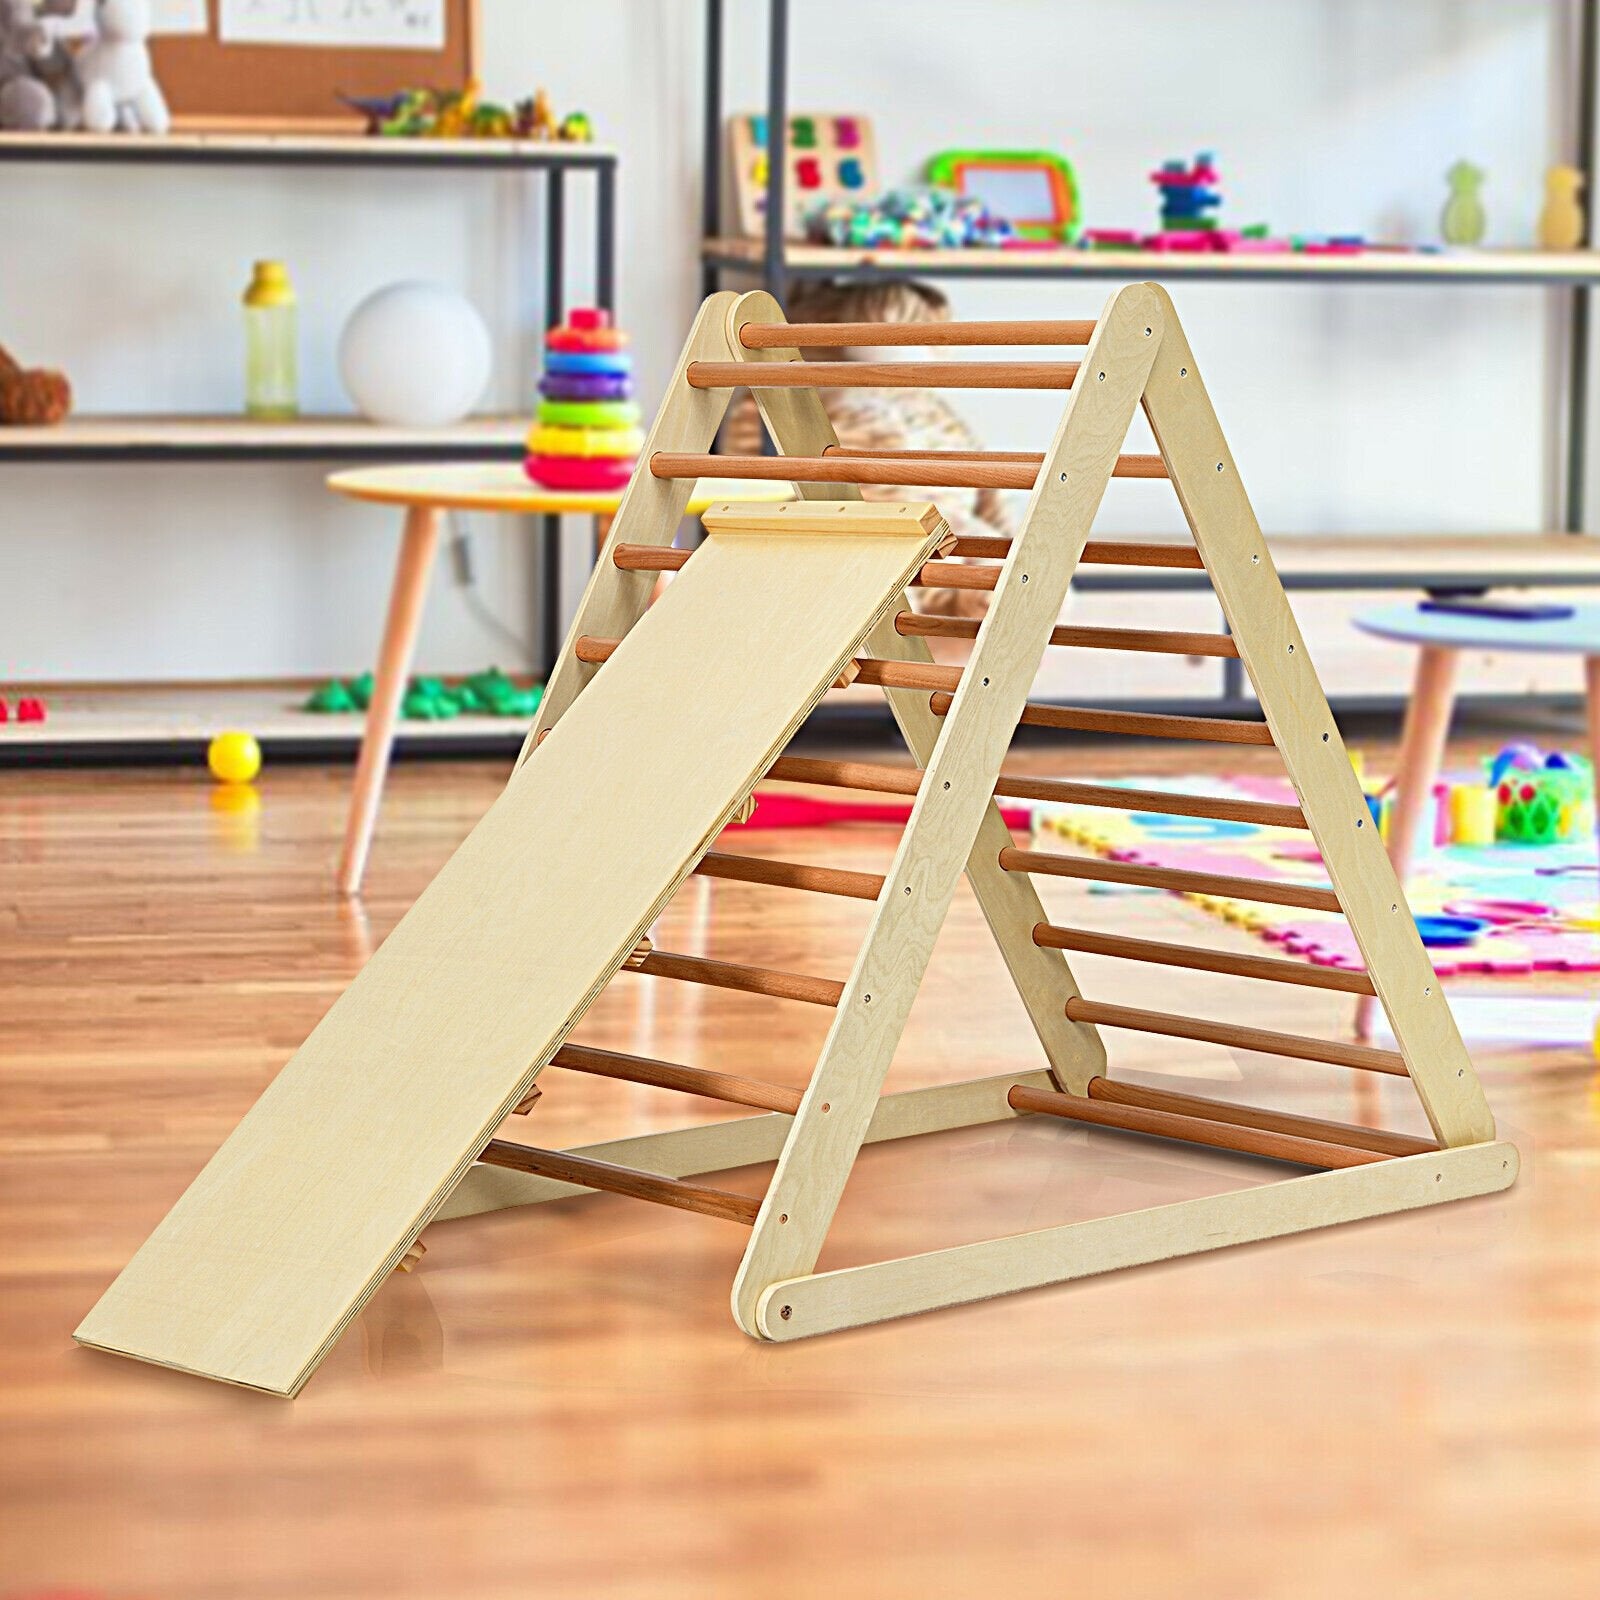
x=272, y=377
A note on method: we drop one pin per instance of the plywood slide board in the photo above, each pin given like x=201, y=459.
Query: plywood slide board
x=317, y=1194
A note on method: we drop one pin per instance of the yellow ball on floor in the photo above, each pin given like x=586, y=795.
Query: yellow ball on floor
x=234, y=757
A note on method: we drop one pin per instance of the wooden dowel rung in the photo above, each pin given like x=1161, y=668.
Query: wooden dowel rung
x=1151, y=640
x=1193, y=1105
x=1196, y=959
x=876, y=778
x=950, y=574
x=1192, y=1130
x=649, y=557
x=1236, y=1036
x=723, y=1086
x=1135, y=724
x=842, y=335
x=1097, y=870
x=587, y=1173
x=791, y=875
x=934, y=469
x=881, y=374
x=748, y=980
x=594, y=650
x=868, y=776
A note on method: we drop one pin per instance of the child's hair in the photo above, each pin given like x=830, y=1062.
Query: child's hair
x=899, y=300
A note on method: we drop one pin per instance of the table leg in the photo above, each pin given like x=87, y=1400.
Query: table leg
x=419, y=544
x=1427, y=726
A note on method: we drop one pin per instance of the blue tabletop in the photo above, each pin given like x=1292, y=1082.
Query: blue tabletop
x=1579, y=633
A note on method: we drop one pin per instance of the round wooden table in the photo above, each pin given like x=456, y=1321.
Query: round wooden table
x=424, y=493
x=1440, y=636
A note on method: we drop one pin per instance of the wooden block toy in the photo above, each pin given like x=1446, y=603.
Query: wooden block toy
x=830, y=157
x=658, y=721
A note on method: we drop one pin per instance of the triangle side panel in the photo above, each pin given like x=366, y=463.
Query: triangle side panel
x=1274, y=654
x=1009, y=901
x=957, y=786
x=359, y=1140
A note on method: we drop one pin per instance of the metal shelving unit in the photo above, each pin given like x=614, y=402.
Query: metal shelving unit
x=1565, y=558
x=345, y=440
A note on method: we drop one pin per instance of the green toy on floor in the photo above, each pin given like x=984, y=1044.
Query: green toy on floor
x=486, y=694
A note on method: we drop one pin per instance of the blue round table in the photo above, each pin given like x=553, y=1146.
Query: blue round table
x=1439, y=637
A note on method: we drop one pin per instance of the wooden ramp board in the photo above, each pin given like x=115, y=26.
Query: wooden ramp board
x=320, y=1190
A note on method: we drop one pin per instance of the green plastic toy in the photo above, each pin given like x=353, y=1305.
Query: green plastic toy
x=486, y=694
x=1464, y=219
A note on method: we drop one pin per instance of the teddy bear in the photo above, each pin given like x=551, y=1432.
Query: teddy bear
x=31, y=397
x=26, y=103
x=118, y=82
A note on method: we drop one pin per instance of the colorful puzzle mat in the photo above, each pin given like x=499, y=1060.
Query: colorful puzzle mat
x=1522, y=908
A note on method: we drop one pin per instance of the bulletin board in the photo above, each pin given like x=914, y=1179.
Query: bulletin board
x=289, y=79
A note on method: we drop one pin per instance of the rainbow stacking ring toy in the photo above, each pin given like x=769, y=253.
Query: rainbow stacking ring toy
x=586, y=434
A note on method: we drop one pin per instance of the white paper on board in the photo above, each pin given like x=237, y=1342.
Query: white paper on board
x=334, y=24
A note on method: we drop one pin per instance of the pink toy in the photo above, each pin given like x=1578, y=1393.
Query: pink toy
x=778, y=809
x=30, y=710
x=592, y=474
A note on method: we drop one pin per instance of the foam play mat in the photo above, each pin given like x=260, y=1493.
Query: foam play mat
x=1502, y=908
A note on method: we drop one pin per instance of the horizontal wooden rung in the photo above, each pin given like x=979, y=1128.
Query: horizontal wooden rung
x=723, y=1086
x=1236, y=1036
x=881, y=374
x=1197, y=959
x=1194, y=1105
x=945, y=470
x=1134, y=724
x=588, y=1173
x=874, y=777
x=856, y=335
x=748, y=980
x=1192, y=1130
x=1154, y=641
x=791, y=875
x=1095, y=869
x=951, y=574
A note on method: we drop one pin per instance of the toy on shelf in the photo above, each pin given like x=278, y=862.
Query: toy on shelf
x=115, y=74
x=30, y=708
x=1562, y=225
x=415, y=355
x=32, y=397
x=586, y=433
x=1464, y=220
x=486, y=694
x=1541, y=798
x=462, y=114
x=234, y=757
x=829, y=158
x=1190, y=197
x=909, y=219
x=1034, y=190
x=30, y=59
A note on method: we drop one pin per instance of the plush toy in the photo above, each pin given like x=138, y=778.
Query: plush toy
x=120, y=92
x=26, y=103
x=31, y=397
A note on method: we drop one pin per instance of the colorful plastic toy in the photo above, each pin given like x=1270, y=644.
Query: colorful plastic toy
x=1036, y=191
x=1464, y=219
x=30, y=709
x=484, y=694
x=234, y=757
x=461, y=114
x=1190, y=197
x=1562, y=224
x=1542, y=799
x=934, y=219
x=1474, y=814
x=586, y=434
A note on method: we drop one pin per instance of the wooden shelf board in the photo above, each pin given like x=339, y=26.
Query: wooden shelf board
x=167, y=714
x=309, y=149
x=84, y=437
x=1460, y=265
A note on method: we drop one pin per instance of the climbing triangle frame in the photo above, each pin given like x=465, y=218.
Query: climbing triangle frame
x=958, y=725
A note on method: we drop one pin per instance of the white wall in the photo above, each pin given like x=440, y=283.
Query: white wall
x=1370, y=409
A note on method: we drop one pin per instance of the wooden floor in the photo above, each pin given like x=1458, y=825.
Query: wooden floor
x=557, y=1402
